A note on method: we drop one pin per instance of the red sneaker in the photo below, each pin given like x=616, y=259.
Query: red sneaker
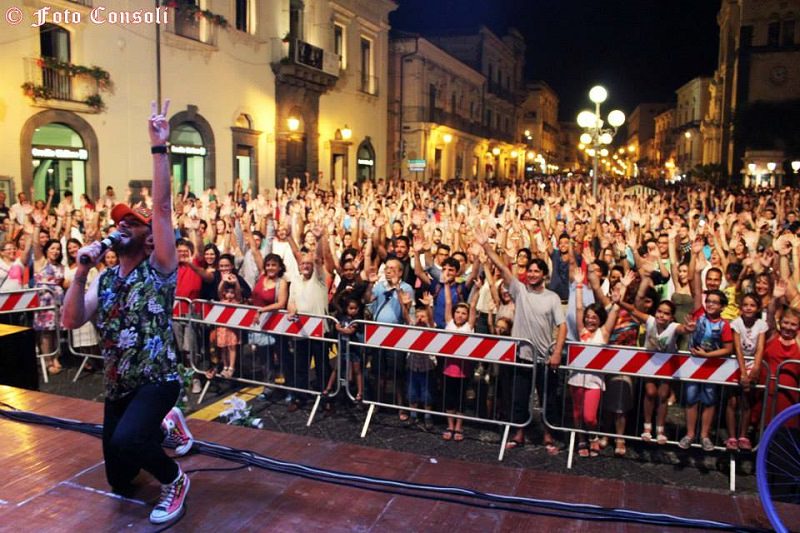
x=171, y=503
x=176, y=432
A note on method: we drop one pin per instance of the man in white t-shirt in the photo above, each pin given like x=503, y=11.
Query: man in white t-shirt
x=308, y=294
x=280, y=246
x=538, y=313
x=21, y=209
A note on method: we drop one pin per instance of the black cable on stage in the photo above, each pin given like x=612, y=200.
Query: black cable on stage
x=500, y=502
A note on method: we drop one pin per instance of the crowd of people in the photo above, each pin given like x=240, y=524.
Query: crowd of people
x=688, y=267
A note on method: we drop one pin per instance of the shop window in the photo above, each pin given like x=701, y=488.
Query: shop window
x=187, y=158
x=59, y=161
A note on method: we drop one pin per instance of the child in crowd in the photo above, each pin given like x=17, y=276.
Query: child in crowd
x=586, y=388
x=227, y=340
x=712, y=338
x=732, y=274
x=349, y=332
x=462, y=320
x=420, y=366
x=661, y=335
x=749, y=334
x=780, y=347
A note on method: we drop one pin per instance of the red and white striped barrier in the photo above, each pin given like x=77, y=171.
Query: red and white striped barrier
x=444, y=343
x=249, y=318
x=181, y=308
x=653, y=364
x=15, y=302
x=302, y=325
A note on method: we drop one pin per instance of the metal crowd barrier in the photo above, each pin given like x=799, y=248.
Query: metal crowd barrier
x=610, y=362
x=287, y=344
x=393, y=346
x=28, y=301
x=76, y=351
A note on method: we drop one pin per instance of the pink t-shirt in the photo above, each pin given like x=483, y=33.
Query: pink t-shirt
x=455, y=368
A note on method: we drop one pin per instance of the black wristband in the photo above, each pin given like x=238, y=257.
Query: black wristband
x=160, y=149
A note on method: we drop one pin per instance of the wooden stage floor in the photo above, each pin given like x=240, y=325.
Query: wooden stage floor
x=53, y=480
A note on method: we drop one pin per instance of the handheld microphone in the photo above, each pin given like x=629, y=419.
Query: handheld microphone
x=112, y=239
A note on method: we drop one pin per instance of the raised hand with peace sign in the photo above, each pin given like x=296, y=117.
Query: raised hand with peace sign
x=164, y=257
x=158, y=124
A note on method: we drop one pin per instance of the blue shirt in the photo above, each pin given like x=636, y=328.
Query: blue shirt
x=386, y=307
x=458, y=293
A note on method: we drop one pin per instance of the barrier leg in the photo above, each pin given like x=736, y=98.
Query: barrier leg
x=313, y=410
x=733, y=472
x=203, y=392
x=503, y=442
x=367, y=421
x=571, y=451
x=80, y=369
x=45, y=375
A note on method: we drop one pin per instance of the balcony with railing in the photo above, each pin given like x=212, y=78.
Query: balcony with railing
x=451, y=120
x=300, y=60
x=497, y=89
x=56, y=84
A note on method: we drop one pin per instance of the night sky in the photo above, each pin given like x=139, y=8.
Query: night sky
x=640, y=50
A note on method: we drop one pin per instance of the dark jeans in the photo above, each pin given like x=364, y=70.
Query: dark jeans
x=305, y=350
x=132, y=435
x=517, y=383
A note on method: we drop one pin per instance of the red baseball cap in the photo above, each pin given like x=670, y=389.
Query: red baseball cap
x=142, y=214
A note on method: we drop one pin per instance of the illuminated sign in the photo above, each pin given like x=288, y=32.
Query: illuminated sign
x=188, y=150
x=417, y=165
x=60, y=153
x=367, y=162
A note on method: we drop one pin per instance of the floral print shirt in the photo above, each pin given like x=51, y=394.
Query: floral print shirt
x=134, y=319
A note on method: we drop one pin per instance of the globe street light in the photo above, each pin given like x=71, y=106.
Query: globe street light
x=595, y=136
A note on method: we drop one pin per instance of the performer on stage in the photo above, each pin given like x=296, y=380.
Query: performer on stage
x=131, y=305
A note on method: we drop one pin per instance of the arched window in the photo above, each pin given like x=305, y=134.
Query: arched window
x=365, y=161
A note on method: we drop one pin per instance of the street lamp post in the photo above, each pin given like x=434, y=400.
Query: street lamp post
x=595, y=136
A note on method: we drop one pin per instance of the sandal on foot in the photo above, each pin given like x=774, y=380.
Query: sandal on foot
x=358, y=398
x=513, y=444
x=594, y=448
x=448, y=434
x=686, y=442
x=458, y=435
x=583, y=449
x=551, y=448
x=620, y=450
x=745, y=444
x=647, y=434
x=732, y=445
x=661, y=439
